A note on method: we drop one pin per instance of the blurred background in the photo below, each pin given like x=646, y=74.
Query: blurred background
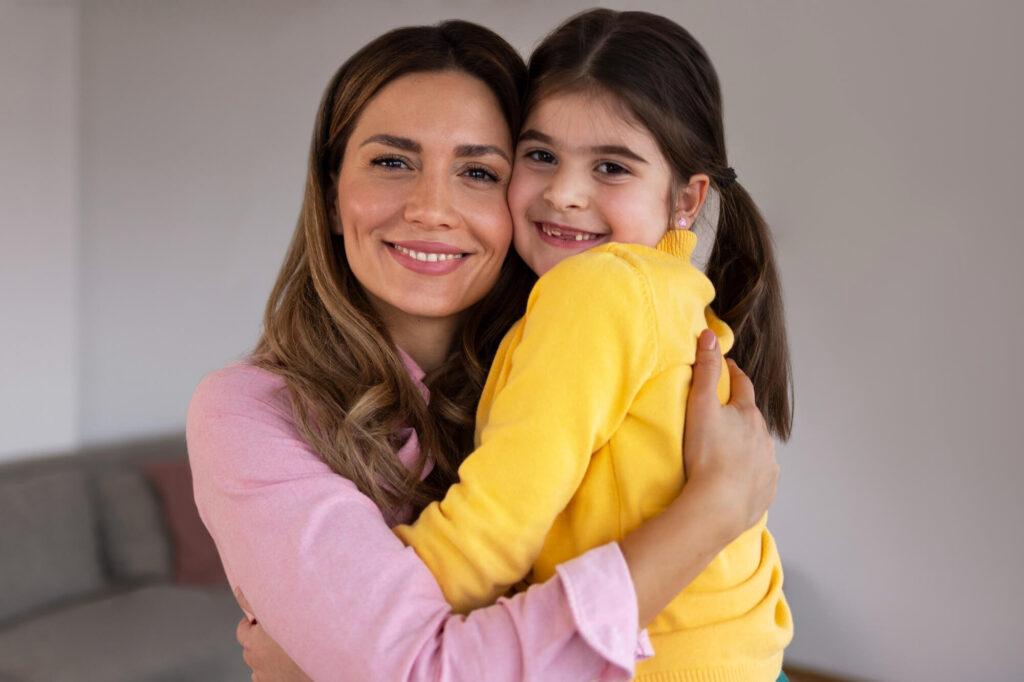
x=152, y=159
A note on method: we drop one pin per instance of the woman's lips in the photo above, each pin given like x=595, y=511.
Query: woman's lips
x=566, y=237
x=428, y=258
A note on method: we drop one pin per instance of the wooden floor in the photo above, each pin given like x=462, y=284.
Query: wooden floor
x=805, y=675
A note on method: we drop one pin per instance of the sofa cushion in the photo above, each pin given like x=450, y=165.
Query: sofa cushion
x=155, y=633
x=135, y=544
x=50, y=541
x=196, y=561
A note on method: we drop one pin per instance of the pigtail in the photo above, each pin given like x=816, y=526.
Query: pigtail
x=749, y=298
x=664, y=78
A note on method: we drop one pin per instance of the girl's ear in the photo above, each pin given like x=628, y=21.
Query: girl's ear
x=689, y=200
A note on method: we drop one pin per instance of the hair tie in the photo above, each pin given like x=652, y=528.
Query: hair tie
x=728, y=177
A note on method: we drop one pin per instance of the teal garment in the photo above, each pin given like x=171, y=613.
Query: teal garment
x=782, y=678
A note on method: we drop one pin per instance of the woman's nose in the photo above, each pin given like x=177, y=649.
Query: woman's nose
x=566, y=191
x=430, y=204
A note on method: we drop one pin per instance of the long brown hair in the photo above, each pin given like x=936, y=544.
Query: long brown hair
x=349, y=389
x=663, y=78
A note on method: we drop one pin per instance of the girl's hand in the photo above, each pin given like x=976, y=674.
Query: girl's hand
x=728, y=453
x=266, y=658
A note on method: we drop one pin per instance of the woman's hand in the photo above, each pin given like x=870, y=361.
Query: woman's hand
x=268, y=661
x=728, y=453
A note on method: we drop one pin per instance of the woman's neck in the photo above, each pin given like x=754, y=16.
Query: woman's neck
x=427, y=341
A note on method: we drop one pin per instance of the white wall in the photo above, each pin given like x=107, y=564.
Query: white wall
x=881, y=141
x=38, y=227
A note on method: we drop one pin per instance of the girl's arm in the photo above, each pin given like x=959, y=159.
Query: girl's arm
x=342, y=595
x=587, y=345
x=732, y=474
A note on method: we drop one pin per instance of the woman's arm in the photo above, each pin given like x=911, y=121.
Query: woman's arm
x=334, y=586
x=732, y=472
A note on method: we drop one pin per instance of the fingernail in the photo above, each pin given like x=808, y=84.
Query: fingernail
x=708, y=340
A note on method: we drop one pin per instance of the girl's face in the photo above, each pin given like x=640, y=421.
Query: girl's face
x=421, y=196
x=585, y=175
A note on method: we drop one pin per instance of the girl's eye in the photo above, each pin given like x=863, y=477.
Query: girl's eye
x=611, y=168
x=540, y=155
x=481, y=173
x=395, y=162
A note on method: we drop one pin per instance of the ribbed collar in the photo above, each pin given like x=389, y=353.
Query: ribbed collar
x=680, y=243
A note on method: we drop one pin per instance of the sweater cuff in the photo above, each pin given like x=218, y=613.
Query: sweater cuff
x=602, y=600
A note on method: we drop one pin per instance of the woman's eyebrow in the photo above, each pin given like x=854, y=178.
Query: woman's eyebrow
x=403, y=143
x=616, y=149
x=481, y=150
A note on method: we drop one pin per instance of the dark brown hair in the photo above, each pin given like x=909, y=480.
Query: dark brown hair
x=663, y=78
x=349, y=389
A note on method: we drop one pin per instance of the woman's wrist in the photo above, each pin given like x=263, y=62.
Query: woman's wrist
x=667, y=552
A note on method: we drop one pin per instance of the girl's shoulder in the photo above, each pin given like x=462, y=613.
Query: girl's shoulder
x=618, y=266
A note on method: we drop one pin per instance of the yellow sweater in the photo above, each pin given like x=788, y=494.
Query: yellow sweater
x=579, y=431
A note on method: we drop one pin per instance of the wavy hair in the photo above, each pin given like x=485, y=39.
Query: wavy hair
x=662, y=77
x=349, y=389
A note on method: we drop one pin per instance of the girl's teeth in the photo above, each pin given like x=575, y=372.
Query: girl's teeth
x=554, y=232
x=427, y=257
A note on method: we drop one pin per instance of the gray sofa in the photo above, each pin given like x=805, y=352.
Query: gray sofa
x=86, y=576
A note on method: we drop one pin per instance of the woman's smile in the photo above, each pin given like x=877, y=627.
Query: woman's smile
x=429, y=258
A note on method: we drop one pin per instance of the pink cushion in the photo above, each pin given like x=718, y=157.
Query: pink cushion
x=195, y=556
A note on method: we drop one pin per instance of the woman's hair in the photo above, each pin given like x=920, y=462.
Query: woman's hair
x=662, y=78
x=349, y=389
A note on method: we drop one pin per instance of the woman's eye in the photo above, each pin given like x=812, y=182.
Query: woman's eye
x=611, y=168
x=480, y=173
x=541, y=156
x=389, y=162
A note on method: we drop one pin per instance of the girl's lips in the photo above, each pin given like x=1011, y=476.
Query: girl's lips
x=430, y=258
x=565, y=237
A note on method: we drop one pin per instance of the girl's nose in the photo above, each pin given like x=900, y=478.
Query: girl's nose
x=566, y=191
x=429, y=204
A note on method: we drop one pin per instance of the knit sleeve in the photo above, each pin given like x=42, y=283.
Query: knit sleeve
x=347, y=601
x=567, y=378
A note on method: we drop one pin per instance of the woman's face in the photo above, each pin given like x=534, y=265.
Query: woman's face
x=421, y=196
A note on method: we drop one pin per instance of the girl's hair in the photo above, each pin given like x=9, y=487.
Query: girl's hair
x=349, y=389
x=662, y=78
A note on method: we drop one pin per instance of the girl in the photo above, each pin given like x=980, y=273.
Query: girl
x=396, y=287
x=622, y=141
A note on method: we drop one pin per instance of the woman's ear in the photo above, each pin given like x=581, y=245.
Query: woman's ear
x=689, y=200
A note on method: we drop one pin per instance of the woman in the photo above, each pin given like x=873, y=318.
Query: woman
x=358, y=404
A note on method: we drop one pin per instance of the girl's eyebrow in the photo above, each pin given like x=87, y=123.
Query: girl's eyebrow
x=405, y=144
x=616, y=149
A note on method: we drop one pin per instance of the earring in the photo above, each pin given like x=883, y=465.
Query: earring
x=681, y=222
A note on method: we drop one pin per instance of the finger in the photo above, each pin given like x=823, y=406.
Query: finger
x=242, y=631
x=244, y=604
x=707, y=366
x=742, y=388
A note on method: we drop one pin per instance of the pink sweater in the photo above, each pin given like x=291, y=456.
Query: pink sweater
x=334, y=586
